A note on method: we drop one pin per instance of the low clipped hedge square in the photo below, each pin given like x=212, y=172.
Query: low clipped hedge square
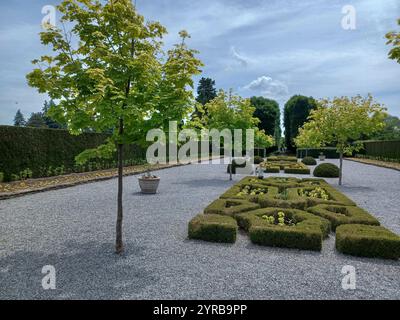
x=367, y=241
x=339, y=215
x=213, y=228
x=272, y=169
x=230, y=207
x=307, y=234
x=335, y=196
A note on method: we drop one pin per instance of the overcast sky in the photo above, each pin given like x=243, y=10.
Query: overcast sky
x=257, y=47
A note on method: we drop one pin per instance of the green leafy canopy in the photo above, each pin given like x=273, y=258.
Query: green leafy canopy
x=108, y=65
x=341, y=122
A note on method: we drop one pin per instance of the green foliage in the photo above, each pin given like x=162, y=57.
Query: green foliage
x=230, y=207
x=206, y=91
x=107, y=72
x=297, y=168
x=339, y=215
x=45, y=150
x=340, y=122
x=294, y=229
x=1, y=177
x=288, y=164
x=330, y=153
x=213, y=228
x=272, y=169
x=229, y=111
x=269, y=114
x=391, y=131
x=394, y=40
x=36, y=121
x=382, y=149
x=50, y=123
x=309, y=161
x=296, y=113
x=299, y=213
x=367, y=241
x=19, y=120
x=326, y=170
x=281, y=159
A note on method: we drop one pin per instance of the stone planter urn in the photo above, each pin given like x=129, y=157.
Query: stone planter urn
x=149, y=183
x=322, y=157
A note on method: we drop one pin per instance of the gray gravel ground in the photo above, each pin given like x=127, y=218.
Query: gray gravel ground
x=73, y=230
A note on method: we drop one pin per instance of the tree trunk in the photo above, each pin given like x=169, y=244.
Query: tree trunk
x=341, y=169
x=119, y=246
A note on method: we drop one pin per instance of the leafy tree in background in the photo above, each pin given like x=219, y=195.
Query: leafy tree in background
x=341, y=122
x=36, y=120
x=109, y=71
x=296, y=112
x=229, y=111
x=394, y=40
x=19, y=120
x=269, y=114
x=391, y=131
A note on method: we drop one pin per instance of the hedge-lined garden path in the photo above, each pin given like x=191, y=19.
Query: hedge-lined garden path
x=73, y=230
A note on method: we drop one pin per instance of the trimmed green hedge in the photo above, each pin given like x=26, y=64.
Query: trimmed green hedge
x=213, y=228
x=272, y=169
x=367, y=241
x=230, y=207
x=339, y=215
x=330, y=153
x=281, y=158
x=335, y=196
x=298, y=168
x=289, y=167
x=40, y=149
x=382, y=149
x=282, y=198
x=307, y=233
x=309, y=161
x=311, y=208
x=327, y=170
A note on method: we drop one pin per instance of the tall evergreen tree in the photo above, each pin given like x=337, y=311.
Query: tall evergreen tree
x=36, y=120
x=19, y=120
x=296, y=113
x=268, y=112
x=206, y=91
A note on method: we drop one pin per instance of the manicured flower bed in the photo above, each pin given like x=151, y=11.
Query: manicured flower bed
x=287, y=164
x=293, y=213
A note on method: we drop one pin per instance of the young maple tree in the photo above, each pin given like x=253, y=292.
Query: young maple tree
x=341, y=122
x=109, y=71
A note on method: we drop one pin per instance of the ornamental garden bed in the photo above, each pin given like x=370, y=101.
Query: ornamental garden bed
x=287, y=164
x=293, y=213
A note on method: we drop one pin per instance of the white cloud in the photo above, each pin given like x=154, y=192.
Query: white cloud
x=243, y=61
x=269, y=87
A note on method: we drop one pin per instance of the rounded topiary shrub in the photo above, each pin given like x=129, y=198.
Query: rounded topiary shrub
x=309, y=161
x=326, y=170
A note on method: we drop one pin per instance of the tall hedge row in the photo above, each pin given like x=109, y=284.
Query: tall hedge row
x=382, y=149
x=37, y=149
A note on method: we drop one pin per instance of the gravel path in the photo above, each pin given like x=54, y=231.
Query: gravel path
x=73, y=230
